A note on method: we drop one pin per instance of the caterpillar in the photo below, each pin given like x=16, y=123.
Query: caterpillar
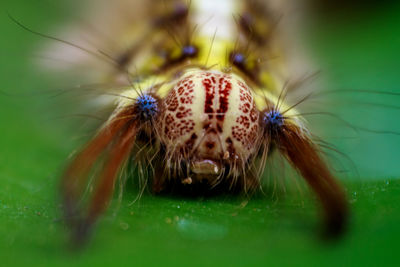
x=198, y=93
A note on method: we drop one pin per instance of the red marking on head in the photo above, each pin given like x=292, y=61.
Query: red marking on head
x=210, y=83
x=172, y=101
x=176, y=102
x=184, y=114
x=209, y=87
x=243, y=120
x=247, y=128
x=225, y=87
x=208, y=117
x=253, y=114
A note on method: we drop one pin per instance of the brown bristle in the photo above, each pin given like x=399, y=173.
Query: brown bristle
x=116, y=139
x=303, y=154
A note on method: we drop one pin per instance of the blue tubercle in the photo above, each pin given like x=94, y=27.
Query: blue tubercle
x=273, y=119
x=239, y=58
x=189, y=50
x=147, y=105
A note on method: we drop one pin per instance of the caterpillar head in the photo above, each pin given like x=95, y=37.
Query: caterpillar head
x=211, y=124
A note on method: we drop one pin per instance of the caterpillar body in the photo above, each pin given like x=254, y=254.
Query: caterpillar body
x=200, y=101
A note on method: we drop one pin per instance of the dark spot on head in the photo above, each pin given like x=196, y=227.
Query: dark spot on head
x=212, y=130
x=207, y=126
x=190, y=143
x=210, y=145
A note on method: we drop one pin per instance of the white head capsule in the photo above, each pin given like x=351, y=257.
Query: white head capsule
x=211, y=118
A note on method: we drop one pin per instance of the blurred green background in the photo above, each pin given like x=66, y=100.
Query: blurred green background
x=356, y=47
